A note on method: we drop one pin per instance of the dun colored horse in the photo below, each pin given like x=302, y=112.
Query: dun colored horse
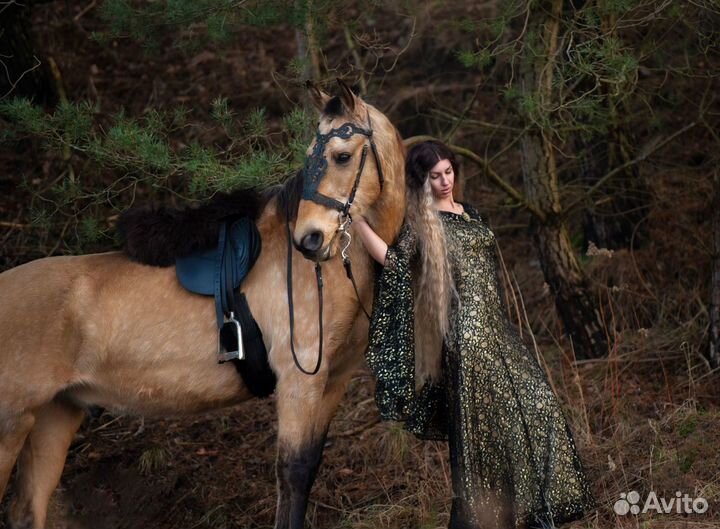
x=107, y=331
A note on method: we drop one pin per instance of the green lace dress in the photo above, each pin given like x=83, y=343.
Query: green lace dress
x=513, y=458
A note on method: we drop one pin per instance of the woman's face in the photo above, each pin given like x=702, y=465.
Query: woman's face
x=442, y=179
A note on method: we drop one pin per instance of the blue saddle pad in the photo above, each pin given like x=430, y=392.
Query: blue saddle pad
x=238, y=248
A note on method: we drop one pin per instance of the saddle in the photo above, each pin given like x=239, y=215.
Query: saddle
x=219, y=272
x=213, y=247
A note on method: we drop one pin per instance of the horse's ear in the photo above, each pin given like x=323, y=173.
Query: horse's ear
x=346, y=94
x=318, y=97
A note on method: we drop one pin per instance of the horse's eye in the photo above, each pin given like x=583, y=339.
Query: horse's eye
x=343, y=157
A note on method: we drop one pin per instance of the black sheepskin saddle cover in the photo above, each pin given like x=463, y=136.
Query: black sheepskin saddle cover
x=158, y=235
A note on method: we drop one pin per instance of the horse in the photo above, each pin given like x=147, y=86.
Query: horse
x=105, y=330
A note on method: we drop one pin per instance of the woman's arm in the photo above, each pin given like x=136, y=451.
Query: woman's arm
x=375, y=246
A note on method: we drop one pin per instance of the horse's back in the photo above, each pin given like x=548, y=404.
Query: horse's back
x=48, y=287
x=109, y=331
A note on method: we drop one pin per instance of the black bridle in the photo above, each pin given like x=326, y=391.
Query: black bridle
x=316, y=166
x=314, y=170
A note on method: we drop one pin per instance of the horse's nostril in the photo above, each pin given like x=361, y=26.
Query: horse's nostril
x=312, y=241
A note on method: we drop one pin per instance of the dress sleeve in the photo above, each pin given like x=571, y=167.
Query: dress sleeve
x=402, y=251
x=391, y=347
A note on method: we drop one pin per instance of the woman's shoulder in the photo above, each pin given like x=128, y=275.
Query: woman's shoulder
x=483, y=228
x=472, y=210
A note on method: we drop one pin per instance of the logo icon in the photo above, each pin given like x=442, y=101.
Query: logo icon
x=629, y=503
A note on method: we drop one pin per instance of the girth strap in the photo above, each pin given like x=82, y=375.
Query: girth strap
x=255, y=367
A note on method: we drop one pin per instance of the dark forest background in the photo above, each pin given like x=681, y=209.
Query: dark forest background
x=589, y=136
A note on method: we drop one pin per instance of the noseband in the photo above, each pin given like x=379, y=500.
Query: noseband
x=314, y=170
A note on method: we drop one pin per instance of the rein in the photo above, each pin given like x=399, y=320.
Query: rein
x=346, y=260
x=313, y=172
x=291, y=309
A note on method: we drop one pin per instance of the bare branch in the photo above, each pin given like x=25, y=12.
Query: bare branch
x=477, y=122
x=646, y=151
x=15, y=83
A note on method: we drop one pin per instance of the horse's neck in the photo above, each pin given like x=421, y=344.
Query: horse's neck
x=386, y=220
x=387, y=213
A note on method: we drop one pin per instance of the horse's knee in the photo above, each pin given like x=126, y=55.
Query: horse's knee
x=41, y=462
x=13, y=430
x=296, y=470
x=298, y=466
x=20, y=514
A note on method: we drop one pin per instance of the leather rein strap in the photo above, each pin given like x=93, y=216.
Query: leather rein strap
x=291, y=308
x=313, y=172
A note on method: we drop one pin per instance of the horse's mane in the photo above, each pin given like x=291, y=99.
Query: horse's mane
x=288, y=196
x=157, y=235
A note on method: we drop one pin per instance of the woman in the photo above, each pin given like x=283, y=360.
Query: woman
x=449, y=364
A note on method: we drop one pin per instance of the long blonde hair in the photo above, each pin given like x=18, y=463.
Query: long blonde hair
x=435, y=295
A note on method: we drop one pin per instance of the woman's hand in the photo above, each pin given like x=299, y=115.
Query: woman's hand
x=375, y=246
x=359, y=220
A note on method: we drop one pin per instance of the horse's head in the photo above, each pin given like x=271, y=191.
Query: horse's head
x=355, y=155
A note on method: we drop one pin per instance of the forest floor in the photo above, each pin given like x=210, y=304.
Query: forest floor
x=645, y=418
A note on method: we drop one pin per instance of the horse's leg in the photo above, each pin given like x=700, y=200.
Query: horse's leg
x=41, y=462
x=303, y=423
x=12, y=436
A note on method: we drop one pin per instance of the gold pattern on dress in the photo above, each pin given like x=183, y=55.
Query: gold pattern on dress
x=513, y=457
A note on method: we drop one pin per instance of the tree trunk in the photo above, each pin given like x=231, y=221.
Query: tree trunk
x=714, y=351
x=22, y=73
x=573, y=299
x=574, y=302
x=306, y=42
x=562, y=272
x=612, y=222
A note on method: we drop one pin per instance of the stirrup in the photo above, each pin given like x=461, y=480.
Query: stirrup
x=230, y=344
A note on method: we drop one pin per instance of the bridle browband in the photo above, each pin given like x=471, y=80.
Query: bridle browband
x=313, y=172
